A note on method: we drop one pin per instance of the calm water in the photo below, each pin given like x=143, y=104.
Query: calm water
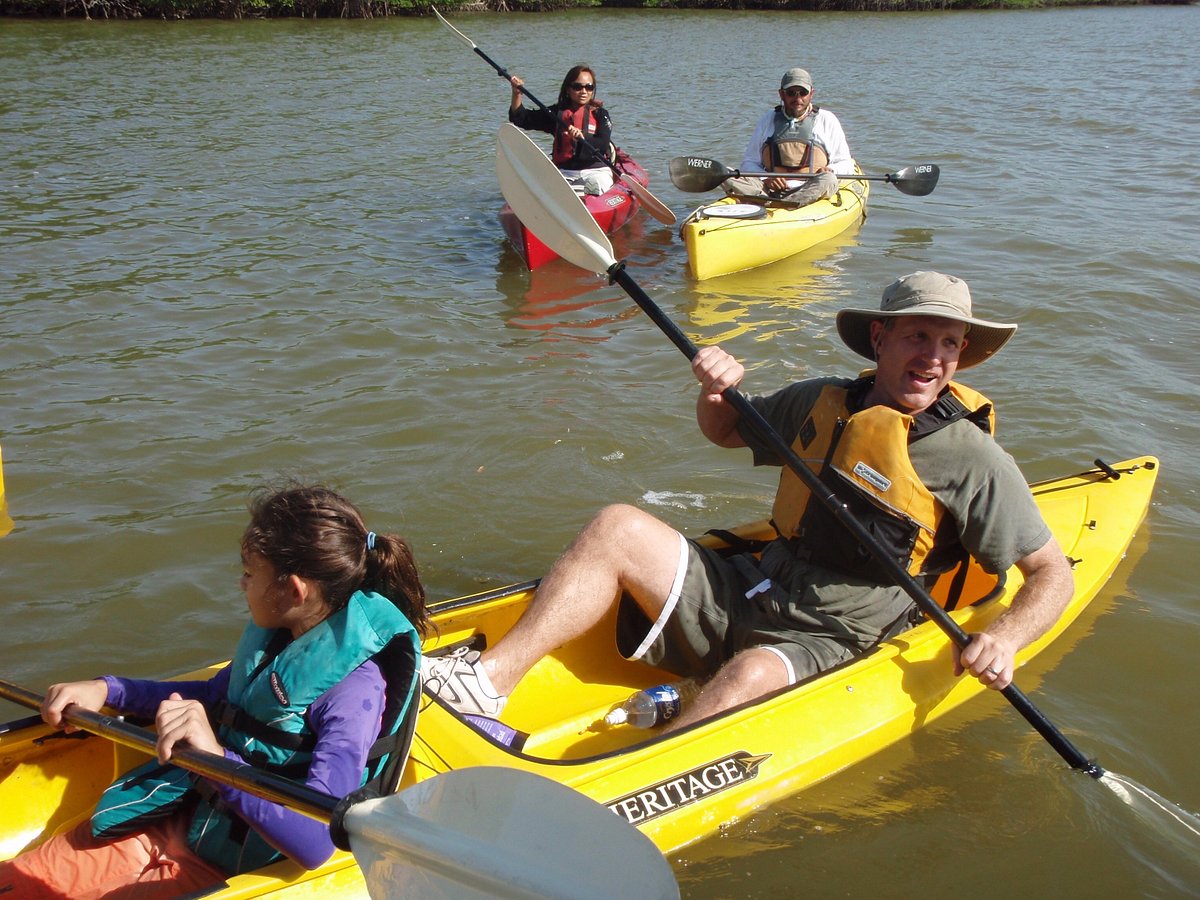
x=234, y=250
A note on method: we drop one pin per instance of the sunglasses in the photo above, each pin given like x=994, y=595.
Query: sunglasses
x=580, y=86
x=797, y=92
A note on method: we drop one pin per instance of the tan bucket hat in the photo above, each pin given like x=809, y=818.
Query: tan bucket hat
x=926, y=294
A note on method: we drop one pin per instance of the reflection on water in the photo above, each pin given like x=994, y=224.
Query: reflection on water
x=912, y=238
x=563, y=302
x=766, y=300
x=558, y=300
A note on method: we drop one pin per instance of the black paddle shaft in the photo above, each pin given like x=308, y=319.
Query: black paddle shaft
x=243, y=776
x=928, y=605
x=696, y=174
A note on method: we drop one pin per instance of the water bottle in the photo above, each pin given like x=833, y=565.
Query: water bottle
x=653, y=706
x=501, y=733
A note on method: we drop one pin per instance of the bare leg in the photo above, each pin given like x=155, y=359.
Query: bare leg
x=747, y=675
x=622, y=549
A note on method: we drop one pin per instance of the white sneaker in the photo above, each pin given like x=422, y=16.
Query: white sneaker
x=459, y=679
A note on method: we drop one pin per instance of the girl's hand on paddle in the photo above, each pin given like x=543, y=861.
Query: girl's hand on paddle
x=90, y=695
x=184, y=723
x=716, y=371
x=988, y=659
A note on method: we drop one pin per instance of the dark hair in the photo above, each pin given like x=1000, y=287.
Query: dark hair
x=316, y=533
x=564, y=92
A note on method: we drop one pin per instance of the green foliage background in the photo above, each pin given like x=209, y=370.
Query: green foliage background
x=366, y=9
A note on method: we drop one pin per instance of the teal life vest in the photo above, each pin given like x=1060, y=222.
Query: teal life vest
x=273, y=681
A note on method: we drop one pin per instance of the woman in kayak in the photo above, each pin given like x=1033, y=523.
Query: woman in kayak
x=318, y=691
x=581, y=127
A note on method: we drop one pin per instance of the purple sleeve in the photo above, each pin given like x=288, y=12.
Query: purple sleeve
x=346, y=720
x=138, y=697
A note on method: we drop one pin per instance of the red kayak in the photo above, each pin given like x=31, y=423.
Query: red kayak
x=611, y=210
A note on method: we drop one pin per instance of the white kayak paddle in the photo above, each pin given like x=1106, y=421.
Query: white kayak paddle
x=546, y=204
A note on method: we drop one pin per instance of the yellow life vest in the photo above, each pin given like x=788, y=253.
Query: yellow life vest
x=863, y=458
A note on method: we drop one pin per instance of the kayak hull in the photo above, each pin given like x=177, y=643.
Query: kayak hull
x=611, y=210
x=720, y=245
x=681, y=787
x=677, y=788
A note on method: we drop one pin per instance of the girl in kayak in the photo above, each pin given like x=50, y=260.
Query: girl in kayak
x=318, y=691
x=581, y=127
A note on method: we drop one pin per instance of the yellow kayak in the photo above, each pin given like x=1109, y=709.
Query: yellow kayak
x=735, y=234
x=6, y=522
x=677, y=788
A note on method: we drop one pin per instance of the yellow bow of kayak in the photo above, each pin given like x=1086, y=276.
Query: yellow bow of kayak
x=6, y=522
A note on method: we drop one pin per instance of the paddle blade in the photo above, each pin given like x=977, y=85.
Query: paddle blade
x=489, y=831
x=695, y=174
x=652, y=204
x=466, y=40
x=916, y=180
x=545, y=203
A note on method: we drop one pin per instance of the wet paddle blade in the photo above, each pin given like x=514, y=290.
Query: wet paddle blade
x=545, y=203
x=495, y=832
x=696, y=175
x=916, y=180
x=655, y=207
x=466, y=40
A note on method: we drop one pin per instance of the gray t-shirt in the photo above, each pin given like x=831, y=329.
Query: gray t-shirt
x=989, y=504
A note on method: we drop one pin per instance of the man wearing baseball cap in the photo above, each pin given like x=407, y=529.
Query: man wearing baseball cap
x=906, y=448
x=796, y=137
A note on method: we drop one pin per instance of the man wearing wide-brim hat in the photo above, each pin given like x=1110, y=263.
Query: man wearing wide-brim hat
x=906, y=448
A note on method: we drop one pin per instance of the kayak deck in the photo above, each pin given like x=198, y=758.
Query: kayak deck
x=718, y=244
x=611, y=210
x=763, y=751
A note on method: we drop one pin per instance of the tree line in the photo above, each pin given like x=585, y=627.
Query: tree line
x=367, y=9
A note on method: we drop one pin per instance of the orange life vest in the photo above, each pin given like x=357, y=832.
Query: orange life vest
x=583, y=118
x=863, y=458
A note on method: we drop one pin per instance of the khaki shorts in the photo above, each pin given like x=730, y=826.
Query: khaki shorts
x=805, y=191
x=713, y=612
